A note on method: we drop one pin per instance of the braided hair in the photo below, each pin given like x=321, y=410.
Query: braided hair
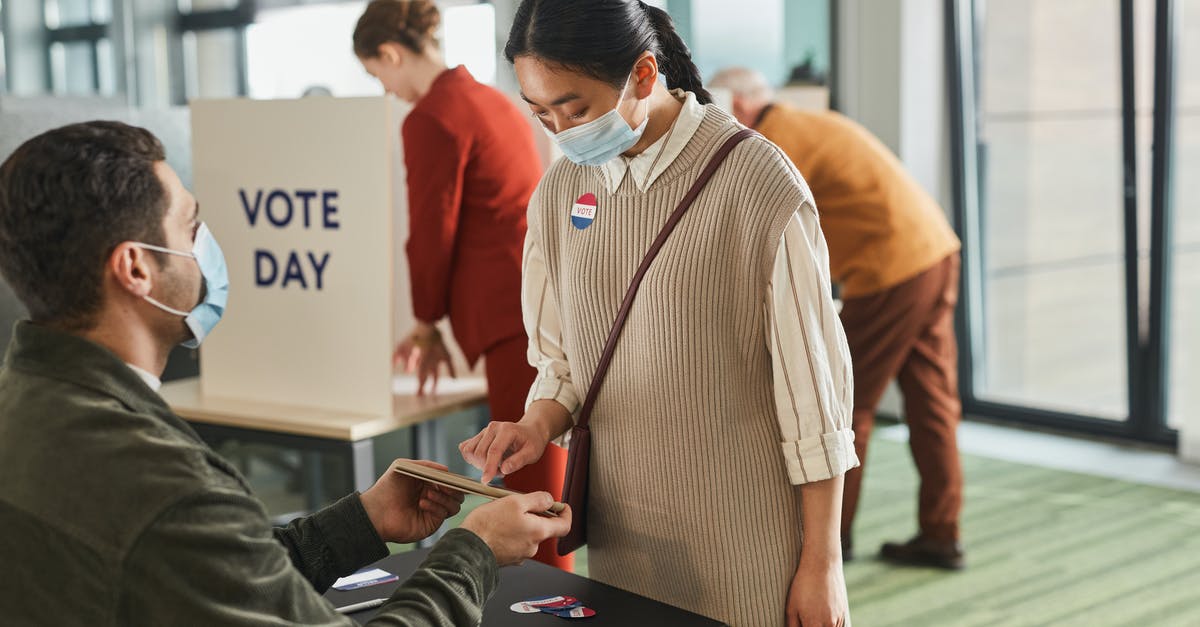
x=603, y=39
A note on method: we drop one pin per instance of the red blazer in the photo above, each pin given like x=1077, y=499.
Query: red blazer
x=472, y=167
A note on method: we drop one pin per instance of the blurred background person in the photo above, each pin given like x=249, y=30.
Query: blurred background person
x=895, y=258
x=472, y=166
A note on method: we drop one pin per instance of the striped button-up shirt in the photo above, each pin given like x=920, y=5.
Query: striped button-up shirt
x=813, y=385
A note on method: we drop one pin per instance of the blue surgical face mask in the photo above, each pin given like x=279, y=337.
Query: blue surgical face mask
x=602, y=139
x=205, y=315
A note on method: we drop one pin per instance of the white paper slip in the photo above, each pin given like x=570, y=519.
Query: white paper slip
x=364, y=578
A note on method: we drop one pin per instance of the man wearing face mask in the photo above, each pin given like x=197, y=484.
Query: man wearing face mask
x=114, y=512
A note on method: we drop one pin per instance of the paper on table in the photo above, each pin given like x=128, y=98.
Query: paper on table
x=458, y=482
x=364, y=578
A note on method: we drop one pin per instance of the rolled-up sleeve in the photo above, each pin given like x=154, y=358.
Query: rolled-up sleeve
x=544, y=328
x=813, y=384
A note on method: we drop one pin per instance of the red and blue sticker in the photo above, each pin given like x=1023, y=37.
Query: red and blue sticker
x=563, y=606
x=583, y=212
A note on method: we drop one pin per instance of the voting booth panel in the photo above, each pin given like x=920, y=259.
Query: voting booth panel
x=306, y=199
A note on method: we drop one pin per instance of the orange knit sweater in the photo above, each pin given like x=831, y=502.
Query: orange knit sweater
x=881, y=226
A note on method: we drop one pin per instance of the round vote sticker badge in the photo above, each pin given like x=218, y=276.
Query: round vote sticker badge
x=533, y=606
x=575, y=612
x=583, y=212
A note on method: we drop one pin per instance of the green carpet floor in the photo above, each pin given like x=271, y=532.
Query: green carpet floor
x=1044, y=547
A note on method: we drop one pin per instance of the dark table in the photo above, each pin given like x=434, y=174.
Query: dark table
x=531, y=580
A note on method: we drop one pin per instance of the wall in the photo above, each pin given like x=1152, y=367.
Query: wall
x=892, y=79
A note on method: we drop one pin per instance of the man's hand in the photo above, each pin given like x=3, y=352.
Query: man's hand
x=423, y=352
x=404, y=509
x=513, y=528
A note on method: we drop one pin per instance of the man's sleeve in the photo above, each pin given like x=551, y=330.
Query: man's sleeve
x=213, y=559
x=335, y=541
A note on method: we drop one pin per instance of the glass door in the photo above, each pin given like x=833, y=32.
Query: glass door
x=1073, y=259
x=1052, y=205
x=1184, y=310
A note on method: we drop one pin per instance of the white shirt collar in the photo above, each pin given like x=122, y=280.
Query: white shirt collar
x=152, y=381
x=648, y=165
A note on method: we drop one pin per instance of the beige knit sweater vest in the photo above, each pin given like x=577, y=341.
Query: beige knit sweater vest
x=690, y=503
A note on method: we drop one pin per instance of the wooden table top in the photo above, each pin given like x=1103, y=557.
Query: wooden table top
x=453, y=395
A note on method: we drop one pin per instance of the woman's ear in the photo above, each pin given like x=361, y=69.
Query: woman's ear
x=645, y=75
x=390, y=53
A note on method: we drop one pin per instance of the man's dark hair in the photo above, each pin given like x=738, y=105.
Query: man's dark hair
x=68, y=197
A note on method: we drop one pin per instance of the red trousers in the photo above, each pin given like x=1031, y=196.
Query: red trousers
x=907, y=332
x=509, y=377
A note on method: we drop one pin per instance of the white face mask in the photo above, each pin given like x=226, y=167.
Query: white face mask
x=602, y=139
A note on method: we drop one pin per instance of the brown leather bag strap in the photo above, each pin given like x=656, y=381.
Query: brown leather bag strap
x=611, y=344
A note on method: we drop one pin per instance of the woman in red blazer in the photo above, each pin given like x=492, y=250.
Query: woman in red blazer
x=472, y=167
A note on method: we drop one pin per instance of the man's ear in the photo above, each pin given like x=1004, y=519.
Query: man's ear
x=129, y=268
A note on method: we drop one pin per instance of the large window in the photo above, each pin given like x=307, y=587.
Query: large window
x=792, y=41
x=292, y=51
x=212, y=48
x=1065, y=212
x=1053, y=265
x=1185, y=286
x=80, y=51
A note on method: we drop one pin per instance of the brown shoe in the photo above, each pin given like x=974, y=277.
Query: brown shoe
x=922, y=551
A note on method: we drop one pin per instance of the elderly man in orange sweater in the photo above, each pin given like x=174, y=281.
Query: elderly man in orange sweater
x=896, y=260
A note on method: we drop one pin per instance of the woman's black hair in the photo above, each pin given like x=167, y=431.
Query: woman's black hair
x=603, y=39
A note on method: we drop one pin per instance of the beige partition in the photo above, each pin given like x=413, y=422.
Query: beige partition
x=304, y=197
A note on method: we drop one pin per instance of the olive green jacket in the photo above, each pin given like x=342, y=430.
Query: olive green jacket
x=114, y=512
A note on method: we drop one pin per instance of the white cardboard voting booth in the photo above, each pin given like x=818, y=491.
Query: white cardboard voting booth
x=306, y=199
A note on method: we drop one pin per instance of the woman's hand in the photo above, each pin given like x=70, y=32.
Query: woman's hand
x=404, y=509
x=503, y=448
x=423, y=352
x=817, y=597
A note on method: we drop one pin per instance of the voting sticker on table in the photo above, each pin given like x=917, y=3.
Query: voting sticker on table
x=562, y=606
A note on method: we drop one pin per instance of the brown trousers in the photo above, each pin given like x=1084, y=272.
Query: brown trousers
x=907, y=332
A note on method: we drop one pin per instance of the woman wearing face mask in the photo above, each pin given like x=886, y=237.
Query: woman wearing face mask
x=722, y=431
x=472, y=166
